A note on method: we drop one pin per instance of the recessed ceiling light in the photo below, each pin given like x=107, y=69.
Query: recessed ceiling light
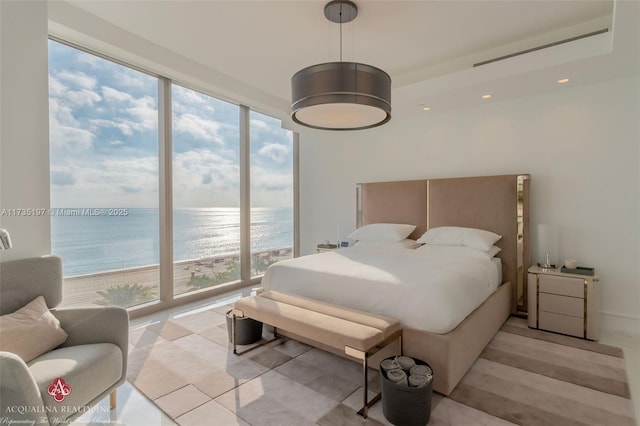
x=426, y=108
x=487, y=96
x=563, y=80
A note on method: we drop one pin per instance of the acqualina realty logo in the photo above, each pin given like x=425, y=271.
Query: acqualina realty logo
x=59, y=389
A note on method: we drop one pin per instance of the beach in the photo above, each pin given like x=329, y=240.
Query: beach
x=128, y=287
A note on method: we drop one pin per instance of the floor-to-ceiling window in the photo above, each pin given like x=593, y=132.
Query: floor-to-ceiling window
x=206, y=190
x=271, y=157
x=108, y=198
x=104, y=178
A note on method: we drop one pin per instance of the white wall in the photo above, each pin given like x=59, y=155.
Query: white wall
x=580, y=144
x=24, y=125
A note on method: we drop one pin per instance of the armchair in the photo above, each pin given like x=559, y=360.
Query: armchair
x=92, y=362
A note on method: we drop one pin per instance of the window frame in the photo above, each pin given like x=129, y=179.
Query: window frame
x=166, y=298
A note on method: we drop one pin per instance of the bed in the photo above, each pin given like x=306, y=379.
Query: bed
x=432, y=288
x=479, y=302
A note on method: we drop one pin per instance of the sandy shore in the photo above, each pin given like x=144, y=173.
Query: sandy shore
x=83, y=290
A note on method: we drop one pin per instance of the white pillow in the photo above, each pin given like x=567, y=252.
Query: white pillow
x=458, y=236
x=493, y=251
x=388, y=245
x=480, y=239
x=382, y=232
x=458, y=252
x=443, y=236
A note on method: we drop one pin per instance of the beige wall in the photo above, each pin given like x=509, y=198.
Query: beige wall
x=24, y=125
x=580, y=144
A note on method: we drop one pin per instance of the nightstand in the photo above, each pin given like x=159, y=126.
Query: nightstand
x=564, y=303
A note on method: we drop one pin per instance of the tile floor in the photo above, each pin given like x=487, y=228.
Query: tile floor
x=302, y=380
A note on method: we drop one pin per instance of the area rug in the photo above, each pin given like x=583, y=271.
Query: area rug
x=527, y=377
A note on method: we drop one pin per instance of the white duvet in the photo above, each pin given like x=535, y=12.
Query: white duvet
x=432, y=288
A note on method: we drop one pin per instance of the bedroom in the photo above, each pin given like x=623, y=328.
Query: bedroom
x=579, y=142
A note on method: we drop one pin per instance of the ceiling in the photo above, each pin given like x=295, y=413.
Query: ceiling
x=428, y=47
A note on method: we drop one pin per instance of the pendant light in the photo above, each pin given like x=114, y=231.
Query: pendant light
x=341, y=95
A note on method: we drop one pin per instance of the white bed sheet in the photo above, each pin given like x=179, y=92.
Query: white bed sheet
x=431, y=290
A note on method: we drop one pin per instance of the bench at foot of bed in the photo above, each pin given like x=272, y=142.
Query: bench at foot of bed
x=359, y=334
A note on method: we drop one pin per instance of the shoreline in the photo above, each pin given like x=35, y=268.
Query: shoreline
x=82, y=290
x=203, y=260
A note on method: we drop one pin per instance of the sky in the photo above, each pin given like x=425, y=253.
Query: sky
x=104, y=141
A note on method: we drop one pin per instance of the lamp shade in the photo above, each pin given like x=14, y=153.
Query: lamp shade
x=341, y=96
x=547, y=239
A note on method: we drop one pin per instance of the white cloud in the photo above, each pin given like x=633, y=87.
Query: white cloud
x=269, y=189
x=145, y=111
x=198, y=127
x=78, y=79
x=107, y=182
x=259, y=124
x=275, y=151
x=56, y=88
x=64, y=93
x=269, y=180
x=65, y=131
x=114, y=95
x=70, y=137
x=82, y=97
x=90, y=60
x=203, y=178
x=62, y=176
x=126, y=127
x=124, y=167
x=187, y=101
x=127, y=78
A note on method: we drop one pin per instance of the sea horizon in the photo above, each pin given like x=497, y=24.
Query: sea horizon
x=96, y=240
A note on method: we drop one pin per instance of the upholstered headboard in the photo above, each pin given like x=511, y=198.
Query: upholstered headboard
x=496, y=203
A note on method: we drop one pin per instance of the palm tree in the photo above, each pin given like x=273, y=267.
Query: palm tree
x=125, y=295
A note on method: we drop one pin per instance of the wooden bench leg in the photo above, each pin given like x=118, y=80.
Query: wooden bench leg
x=112, y=399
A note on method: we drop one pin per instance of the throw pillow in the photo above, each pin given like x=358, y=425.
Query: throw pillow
x=31, y=330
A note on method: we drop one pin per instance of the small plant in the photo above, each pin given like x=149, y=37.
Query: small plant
x=232, y=272
x=125, y=295
x=200, y=281
x=261, y=264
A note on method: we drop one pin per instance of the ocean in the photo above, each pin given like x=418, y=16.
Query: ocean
x=98, y=240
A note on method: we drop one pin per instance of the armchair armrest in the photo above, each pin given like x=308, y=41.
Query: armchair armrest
x=96, y=325
x=20, y=399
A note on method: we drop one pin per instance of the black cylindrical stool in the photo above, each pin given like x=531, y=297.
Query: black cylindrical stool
x=405, y=405
x=248, y=330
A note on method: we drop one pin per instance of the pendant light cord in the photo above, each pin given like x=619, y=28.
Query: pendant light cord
x=341, y=32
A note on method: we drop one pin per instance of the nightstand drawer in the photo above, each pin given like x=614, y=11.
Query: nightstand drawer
x=562, y=324
x=565, y=305
x=562, y=285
